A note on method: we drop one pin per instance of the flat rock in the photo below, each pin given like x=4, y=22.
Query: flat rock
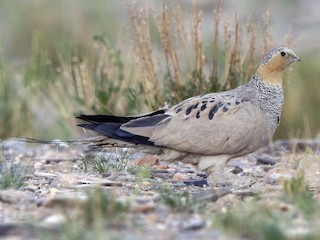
x=45, y=174
x=101, y=182
x=12, y=196
x=65, y=200
x=211, y=194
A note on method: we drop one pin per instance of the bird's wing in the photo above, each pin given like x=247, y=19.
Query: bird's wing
x=217, y=123
x=212, y=124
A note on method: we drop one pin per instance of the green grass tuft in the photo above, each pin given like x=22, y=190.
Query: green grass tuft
x=100, y=217
x=296, y=192
x=179, y=201
x=252, y=223
x=12, y=175
x=103, y=162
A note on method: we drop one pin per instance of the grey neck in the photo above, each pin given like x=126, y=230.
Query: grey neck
x=269, y=99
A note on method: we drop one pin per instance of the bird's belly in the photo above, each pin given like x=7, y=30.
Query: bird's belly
x=234, y=141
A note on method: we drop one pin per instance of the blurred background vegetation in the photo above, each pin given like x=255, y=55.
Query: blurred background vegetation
x=62, y=58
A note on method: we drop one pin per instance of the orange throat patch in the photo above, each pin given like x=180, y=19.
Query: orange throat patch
x=272, y=71
x=270, y=76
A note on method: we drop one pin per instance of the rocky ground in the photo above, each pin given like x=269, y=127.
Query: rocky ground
x=59, y=191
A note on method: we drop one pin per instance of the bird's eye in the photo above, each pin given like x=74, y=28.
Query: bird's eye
x=283, y=54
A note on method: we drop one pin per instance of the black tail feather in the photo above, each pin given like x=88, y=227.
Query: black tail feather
x=110, y=126
x=115, y=119
x=104, y=118
x=113, y=130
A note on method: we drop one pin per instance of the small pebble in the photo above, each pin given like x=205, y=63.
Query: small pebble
x=106, y=174
x=193, y=224
x=236, y=170
x=196, y=182
x=277, y=178
x=267, y=160
x=137, y=206
x=54, y=219
x=180, y=177
x=148, y=160
x=146, y=185
x=37, y=166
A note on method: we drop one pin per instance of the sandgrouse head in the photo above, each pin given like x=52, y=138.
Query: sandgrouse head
x=273, y=64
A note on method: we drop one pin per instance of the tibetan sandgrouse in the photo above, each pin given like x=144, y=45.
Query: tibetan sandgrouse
x=209, y=129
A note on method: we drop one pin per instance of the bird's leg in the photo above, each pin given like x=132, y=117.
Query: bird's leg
x=213, y=164
x=214, y=167
x=171, y=155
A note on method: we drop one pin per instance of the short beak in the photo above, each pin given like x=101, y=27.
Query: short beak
x=296, y=58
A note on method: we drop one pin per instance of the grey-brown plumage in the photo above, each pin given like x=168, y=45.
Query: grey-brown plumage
x=225, y=124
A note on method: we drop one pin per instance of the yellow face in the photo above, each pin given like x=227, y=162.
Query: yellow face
x=272, y=71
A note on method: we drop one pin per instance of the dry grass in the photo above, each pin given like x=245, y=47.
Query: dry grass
x=188, y=70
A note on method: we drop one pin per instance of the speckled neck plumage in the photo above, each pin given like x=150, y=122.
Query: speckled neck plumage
x=269, y=99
